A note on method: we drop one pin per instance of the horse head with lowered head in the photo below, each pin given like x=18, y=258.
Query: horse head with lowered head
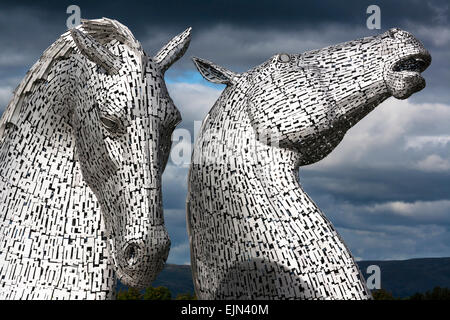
x=99, y=108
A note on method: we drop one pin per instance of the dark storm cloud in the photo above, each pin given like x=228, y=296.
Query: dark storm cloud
x=262, y=13
x=367, y=185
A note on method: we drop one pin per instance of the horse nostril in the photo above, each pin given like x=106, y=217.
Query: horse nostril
x=131, y=254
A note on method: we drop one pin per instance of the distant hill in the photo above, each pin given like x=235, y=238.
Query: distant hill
x=400, y=277
x=177, y=278
x=405, y=277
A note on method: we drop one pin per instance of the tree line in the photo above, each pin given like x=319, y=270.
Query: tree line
x=151, y=293
x=437, y=293
x=163, y=293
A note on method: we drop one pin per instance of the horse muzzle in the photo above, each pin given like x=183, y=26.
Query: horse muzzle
x=140, y=261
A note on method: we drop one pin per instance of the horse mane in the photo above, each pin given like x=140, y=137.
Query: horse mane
x=103, y=30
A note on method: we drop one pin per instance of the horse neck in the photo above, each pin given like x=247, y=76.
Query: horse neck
x=250, y=196
x=51, y=221
x=273, y=169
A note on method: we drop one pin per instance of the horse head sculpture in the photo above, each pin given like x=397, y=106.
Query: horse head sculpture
x=97, y=104
x=319, y=95
x=254, y=232
x=123, y=118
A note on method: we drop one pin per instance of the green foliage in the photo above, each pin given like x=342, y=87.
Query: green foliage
x=186, y=296
x=417, y=296
x=437, y=293
x=382, y=294
x=163, y=293
x=130, y=294
x=151, y=293
x=158, y=293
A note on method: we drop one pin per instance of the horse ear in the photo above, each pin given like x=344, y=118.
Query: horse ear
x=213, y=72
x=96, y=52
x=173, y=50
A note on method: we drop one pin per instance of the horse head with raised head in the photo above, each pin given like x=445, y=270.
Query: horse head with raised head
x=254, y=232
x=308, y=101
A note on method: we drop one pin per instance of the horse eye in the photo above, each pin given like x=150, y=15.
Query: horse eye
x=109, y=123
x=284, y=57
